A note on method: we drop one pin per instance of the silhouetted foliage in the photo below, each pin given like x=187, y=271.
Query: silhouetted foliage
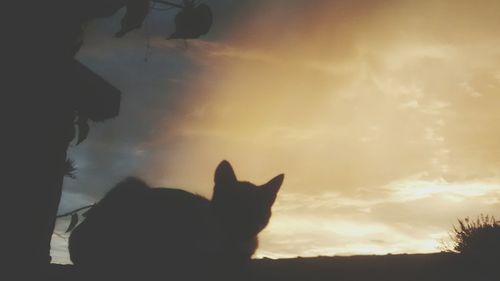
x=73, y=222
x=70, y=169
x=52, y=98
x=137, y=10
x=478, y=238
x=192, y=21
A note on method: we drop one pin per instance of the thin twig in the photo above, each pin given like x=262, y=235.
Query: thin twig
x=74, y=211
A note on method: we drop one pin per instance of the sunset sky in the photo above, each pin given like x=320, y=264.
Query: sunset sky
x=384, y=116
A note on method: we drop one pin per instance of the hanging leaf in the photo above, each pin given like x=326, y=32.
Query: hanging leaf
x=192, y=22
x=137, y=10
x=72, y=223
x=83, y=130
x=69, y=168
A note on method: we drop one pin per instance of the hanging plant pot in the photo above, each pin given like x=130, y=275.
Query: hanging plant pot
x=95, y=97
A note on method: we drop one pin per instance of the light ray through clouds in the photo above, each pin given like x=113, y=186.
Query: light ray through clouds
x=382, y=114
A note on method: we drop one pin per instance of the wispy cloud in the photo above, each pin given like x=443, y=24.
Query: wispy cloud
x=382, y=114
x=410, y=216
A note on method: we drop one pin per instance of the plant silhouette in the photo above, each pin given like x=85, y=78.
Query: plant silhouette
x=477, y=238
x=137, y=231
x=50, y=99
x=193, y=21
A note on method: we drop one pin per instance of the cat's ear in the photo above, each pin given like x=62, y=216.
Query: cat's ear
x=224, y=174
x=273, y=186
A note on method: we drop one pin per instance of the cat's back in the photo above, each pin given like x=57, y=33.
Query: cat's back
x=132, y=197
x=141, y=220
x=175, y=213
x=173, y=198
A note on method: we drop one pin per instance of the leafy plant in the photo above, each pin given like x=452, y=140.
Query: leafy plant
x=479, y=238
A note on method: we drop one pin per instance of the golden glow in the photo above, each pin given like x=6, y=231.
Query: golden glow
x=382, y=114
x=379, y=114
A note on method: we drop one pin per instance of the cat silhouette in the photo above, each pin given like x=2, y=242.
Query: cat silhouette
x=137, y=232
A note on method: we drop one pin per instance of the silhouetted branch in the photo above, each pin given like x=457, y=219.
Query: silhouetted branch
x=60, y=235
x=74, y=211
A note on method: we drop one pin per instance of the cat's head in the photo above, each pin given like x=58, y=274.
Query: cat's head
x=244, y=208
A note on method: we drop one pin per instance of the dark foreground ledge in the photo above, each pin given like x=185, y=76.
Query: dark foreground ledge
x=419, y=267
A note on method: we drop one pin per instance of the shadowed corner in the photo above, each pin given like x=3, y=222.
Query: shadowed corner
x=51, y=99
